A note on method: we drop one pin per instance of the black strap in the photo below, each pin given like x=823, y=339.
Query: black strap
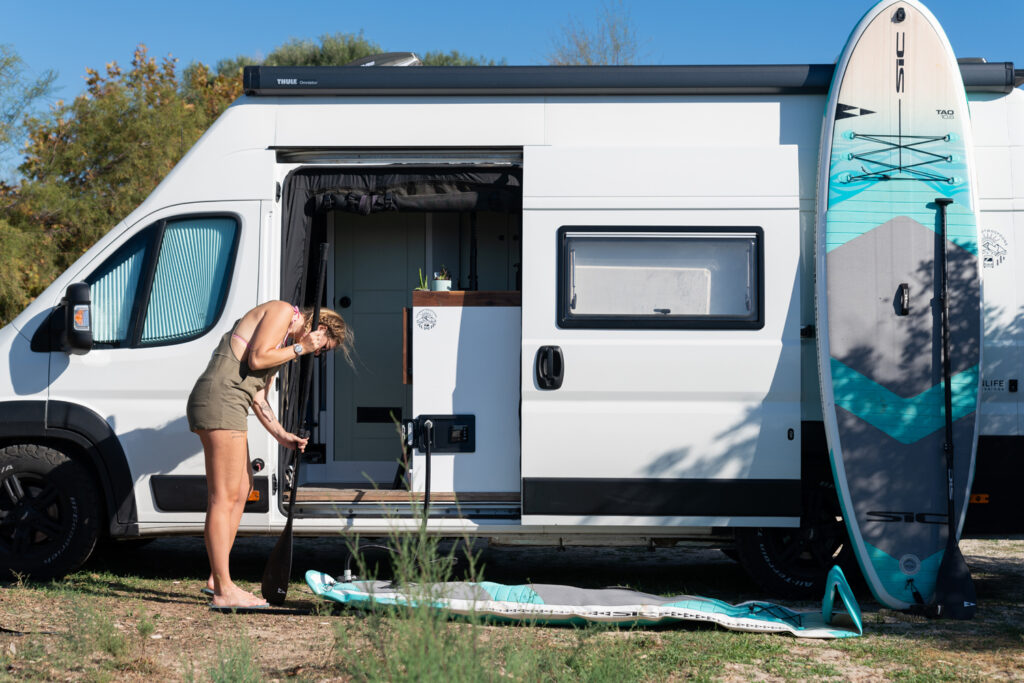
x=895, y=142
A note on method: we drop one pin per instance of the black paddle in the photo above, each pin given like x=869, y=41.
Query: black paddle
x=954, y=589
x=278, y=571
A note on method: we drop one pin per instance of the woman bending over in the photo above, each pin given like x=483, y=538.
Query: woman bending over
x=246, y=359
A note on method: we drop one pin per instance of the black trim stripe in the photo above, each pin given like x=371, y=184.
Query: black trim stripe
x=188, y=493
x=996, y=507
x=662, y=497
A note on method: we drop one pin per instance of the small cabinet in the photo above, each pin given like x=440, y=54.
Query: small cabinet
x=465, y=360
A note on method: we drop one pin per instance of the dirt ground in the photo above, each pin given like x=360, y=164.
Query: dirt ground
x=150, y=595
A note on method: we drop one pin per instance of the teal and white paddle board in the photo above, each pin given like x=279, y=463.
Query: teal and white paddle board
x=553, y=605
x=896, y=137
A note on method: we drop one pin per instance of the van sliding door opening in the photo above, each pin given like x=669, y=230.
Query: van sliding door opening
x=391, y=229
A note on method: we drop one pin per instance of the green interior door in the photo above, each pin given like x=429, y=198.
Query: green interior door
x=376, y=266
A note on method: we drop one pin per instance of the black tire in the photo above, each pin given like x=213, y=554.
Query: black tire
x=49, y=513
x=129, y=544
x=793, y=563
x=730, y=552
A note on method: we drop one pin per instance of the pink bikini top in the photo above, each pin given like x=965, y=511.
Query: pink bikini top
x=283, y=341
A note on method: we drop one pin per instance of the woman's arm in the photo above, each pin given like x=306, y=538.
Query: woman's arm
x=271, y=329
x=266, y=417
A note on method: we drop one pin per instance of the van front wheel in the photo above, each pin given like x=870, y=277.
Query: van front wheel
x=793, y=563
x=49, y=513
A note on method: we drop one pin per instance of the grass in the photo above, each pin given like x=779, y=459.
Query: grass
x=140, y=617
x=235, y=663
x=415, y=642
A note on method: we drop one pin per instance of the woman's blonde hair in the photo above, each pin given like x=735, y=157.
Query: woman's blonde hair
x=337, y=329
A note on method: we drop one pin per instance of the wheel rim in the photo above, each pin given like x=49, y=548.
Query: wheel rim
x=807, y=553
x=32, y=515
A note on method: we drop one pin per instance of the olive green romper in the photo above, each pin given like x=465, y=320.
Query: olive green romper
x=225, y=391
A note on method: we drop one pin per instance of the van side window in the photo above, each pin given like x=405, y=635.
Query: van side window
x=189, y=284
x=703, y=278
x=166, y=285
x=113, y=288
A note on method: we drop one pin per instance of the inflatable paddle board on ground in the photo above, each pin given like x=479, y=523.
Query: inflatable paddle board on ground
x=896, y=138
x=552, y=605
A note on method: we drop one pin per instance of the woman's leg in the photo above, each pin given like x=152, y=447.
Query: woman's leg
x=226, y=461
x=245, y=484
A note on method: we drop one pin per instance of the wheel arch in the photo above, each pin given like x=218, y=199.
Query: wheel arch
x=85, y=436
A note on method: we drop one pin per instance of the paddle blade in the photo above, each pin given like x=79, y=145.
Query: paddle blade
x=954, y=589
x=279, y=568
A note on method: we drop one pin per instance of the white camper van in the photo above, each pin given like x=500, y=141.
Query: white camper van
x=626, y=354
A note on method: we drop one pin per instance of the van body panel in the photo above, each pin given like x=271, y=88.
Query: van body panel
x=141, y=392
x=437, y=122
x=24, y=375
x=666, y=404
x=673, y=121
x=233, y=159
x=999, y=142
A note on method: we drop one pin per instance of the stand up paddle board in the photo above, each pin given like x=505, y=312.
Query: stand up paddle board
x=553, y=605
x=896, y=137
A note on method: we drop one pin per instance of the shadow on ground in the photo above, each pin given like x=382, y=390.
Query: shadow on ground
x=664, y=570
x=678, y=570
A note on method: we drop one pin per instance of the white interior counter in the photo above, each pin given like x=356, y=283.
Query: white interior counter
x=465, y=360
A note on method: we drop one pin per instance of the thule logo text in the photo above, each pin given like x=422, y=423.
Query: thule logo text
x=287, y=81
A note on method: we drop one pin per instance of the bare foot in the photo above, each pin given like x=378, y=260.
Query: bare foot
x=233, y=596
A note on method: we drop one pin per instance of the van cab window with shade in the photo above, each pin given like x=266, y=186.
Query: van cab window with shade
x=166, y=285
x=705, y=278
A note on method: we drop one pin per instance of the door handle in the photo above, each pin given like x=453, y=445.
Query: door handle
x=549, y=367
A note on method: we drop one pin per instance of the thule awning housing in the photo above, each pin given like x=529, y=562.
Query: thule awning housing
x=765, y=79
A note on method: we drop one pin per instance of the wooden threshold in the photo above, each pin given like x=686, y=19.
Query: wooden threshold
x=467, y=299
x=327, y=494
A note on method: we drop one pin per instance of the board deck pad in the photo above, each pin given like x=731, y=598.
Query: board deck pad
x=896, y=137
x=548, y=604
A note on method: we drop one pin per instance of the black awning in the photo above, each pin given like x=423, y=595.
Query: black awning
x=701, y=79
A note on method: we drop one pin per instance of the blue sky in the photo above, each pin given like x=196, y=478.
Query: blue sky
x=70, y=36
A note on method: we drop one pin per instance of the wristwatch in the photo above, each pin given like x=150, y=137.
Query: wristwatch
x=298, y=349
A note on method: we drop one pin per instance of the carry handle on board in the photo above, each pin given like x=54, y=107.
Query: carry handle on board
x=903, y=299
x=954, y=589
x=278, y=570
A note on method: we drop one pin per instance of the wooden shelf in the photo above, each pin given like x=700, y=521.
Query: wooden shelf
x=466, y=299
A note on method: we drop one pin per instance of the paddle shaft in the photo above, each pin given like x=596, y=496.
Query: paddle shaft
x=947, y=446
x=279, y=565
x=954, y=590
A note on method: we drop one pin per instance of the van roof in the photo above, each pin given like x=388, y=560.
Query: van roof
x=763, y=79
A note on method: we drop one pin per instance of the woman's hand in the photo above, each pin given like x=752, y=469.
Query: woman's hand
x=293, y=441
x=314, y=340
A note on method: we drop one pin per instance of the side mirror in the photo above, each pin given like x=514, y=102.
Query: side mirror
x=76, y=337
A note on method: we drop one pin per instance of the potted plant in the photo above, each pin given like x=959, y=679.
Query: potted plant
x=442, y=281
